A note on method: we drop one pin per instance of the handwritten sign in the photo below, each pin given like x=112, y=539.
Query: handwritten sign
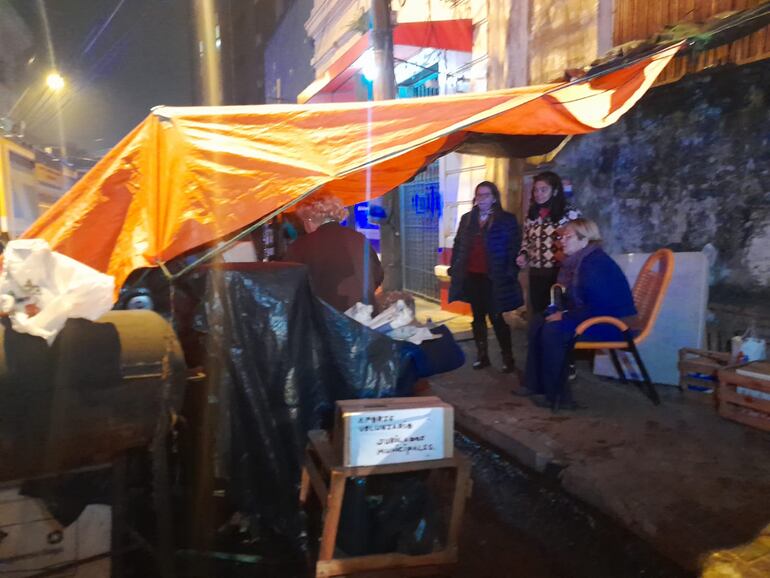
x=396, y=435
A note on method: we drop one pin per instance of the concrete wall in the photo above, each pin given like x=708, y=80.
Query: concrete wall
x=689, y=165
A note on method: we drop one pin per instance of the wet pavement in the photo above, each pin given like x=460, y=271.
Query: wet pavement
x=520, y=523
x=678, y=476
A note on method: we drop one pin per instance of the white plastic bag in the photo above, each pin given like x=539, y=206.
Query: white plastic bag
x=748, y=347
x=412, y=334
x=42, y=289
x=361, y=313
x=395, y=316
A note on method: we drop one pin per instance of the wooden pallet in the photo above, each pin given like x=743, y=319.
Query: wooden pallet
x=740, y=407
x=698, y=371
x=327, y=480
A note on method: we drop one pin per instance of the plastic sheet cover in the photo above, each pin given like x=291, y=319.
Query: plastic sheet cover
x=186, y=177
x=54, y=286
x=279, y=358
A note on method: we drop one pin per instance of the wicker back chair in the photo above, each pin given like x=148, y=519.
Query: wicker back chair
x=649, y=291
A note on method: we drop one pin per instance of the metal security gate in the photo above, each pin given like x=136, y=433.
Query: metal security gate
x=421, y=207
x=420, y=216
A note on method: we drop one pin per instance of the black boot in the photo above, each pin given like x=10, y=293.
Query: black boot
x=509, y=365
x=503, y=334
x=480, y=337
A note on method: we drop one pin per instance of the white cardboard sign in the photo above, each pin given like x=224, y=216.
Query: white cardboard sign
x=396, y=435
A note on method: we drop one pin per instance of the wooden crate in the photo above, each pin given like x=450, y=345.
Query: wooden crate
x=698, y=371
x=323, y=475
x=740, y=406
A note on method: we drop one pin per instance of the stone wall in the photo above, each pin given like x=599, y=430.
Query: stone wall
x=688, y=166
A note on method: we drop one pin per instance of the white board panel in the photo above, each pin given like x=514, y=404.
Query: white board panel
x=681, y=323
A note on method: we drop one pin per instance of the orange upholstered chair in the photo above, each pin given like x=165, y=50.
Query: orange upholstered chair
x=649, y=291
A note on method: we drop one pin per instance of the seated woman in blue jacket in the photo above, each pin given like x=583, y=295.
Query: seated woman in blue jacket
x=595, y=285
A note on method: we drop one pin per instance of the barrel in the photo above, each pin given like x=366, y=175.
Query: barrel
x=99, y=389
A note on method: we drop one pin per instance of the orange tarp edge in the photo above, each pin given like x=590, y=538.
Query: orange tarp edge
x=186, y=177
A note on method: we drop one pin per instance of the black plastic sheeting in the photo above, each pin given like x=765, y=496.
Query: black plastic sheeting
x=279, y=358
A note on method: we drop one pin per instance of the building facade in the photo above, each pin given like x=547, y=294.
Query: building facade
x=288, y=55
x=439, y=48
x=708, y=98
x=229, y=47
x=510, y=43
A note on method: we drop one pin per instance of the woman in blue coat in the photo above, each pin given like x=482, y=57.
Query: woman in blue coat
x=484, y=271
x=595, y=285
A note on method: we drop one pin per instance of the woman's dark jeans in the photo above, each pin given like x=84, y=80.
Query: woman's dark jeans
x=479, y=290
x=549, y=346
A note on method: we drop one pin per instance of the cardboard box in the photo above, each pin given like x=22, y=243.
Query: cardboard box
x=371, y=432
x=33, y=542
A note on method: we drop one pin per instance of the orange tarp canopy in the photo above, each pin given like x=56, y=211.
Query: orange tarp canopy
x=186, y=177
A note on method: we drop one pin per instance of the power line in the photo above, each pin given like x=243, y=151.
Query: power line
x=104, y=27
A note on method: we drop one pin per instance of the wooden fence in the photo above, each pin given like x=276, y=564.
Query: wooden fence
x=638, y=19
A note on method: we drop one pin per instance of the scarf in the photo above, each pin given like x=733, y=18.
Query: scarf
x=476, y=225
x=570, y=268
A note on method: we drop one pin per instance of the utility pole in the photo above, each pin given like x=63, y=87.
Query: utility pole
x=204, y=410
x=209, y=62
x=382, y=40
x=385, y=89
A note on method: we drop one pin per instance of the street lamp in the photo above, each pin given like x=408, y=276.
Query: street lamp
x=55, y=81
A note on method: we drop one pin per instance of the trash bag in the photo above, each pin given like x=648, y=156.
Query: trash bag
x=407, y=520
x=392, y=513
x=355, y=526
x=439, y=355
x=279, y=358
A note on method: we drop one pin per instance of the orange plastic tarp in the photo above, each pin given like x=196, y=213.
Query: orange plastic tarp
x=186, y=177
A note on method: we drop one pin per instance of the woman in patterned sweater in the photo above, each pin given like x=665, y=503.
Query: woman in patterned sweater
x=548, y=212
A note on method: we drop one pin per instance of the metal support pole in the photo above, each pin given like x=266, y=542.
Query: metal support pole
x=618, y=367
x=646, y=385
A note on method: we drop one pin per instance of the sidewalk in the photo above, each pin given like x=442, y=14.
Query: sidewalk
x=678, y=475
x=459, y=325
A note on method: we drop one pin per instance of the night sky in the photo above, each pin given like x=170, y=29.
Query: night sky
x=119, y=58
